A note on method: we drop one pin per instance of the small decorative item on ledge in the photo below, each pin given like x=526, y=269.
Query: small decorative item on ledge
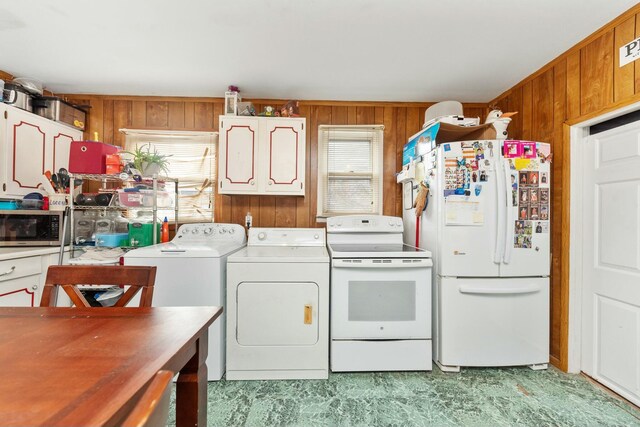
x=290, y=109
x=246, y=109
x=268, y=111
x=231, y=99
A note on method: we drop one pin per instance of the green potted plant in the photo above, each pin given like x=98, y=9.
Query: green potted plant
x=149, y=162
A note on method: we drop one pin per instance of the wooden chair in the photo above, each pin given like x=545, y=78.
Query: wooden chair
x=152, y=410
x=70, y=276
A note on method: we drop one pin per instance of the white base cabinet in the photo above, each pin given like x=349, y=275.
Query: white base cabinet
x=30, y=145
x=22, y=280
x=262, y=155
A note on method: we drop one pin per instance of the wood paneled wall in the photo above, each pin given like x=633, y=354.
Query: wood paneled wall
x=581, y=84
x=401, y=120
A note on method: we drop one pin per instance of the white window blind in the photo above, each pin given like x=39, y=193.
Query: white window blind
x=192, y=161
x=349, y=170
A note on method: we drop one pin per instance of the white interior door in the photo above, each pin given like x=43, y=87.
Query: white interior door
x=611, y=260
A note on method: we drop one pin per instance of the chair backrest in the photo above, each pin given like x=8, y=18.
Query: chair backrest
x=68, y=277
x=152, y=410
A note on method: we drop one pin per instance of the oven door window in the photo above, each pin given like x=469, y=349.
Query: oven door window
x=380, y=303
x=388, y=301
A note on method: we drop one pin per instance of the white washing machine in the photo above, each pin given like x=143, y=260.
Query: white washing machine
x=278, y=306
x=192, y=270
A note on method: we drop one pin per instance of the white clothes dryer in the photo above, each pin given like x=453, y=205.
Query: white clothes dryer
x=278, y=306
x=191, y=271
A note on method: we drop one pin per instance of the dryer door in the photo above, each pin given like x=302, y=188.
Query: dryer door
x=277, y=313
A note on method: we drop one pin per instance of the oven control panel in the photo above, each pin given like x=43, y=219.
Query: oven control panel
x=364, y=224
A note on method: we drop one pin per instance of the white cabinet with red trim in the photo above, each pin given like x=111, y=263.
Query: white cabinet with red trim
x=262, y=155
x=20, y=282
x=22, y=276
x=30, y=145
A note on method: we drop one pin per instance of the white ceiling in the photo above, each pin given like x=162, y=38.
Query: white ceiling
x=381, y=50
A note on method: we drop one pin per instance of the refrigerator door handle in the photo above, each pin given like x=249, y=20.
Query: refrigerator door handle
x=509, y=224
x=471, y=289
x=500, y=205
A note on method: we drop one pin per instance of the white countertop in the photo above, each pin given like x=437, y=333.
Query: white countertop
x=13, y=253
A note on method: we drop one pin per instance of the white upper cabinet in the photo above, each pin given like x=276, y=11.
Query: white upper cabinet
x=262, y=155
x=30, y=145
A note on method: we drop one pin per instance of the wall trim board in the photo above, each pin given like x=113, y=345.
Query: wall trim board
x=608, y=109
x=577, y=47
x=275, y=102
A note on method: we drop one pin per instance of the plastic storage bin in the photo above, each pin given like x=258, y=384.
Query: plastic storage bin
x=141, y=234
x=130, y=199
x=112, y=240
x=143, y=199
x=164, y=200
x=8, y=205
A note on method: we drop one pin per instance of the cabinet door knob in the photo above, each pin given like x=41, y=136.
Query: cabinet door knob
x=252, y=182
x=13, y=267
x=270, y=182
x=34, y=287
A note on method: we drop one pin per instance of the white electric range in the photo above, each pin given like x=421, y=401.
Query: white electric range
x=380, y=296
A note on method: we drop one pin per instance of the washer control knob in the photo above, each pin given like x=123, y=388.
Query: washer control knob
x=208, y=230
x=223, y=230
x=184, y=231
x=262, y=236
x=194, y=231
x=232, y=230
x=316, y=236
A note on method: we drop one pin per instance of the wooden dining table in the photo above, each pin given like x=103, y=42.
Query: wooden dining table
x=89, y=366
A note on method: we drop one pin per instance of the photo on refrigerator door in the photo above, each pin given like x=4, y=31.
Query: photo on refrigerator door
x=542, y=227
x=522, y=241
x=534, y=212
x=524, y=196
x=523, y=227
x=524, y=179
x=533, y=195
x=512, y=149
x=528, y=150
x=544, y=195
x=544, y=178
x=544, y=212
x=533, y=179
x=523, y=212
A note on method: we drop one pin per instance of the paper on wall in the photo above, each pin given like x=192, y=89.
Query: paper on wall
x=459, y=210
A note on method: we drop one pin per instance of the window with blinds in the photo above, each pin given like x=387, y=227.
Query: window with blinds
x=349, y=170
x=192, y=161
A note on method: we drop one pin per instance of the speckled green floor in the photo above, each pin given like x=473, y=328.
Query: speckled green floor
x=477, y=397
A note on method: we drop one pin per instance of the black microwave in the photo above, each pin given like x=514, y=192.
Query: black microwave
x=31, y=228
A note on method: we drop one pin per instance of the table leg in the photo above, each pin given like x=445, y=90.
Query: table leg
x=191, y=388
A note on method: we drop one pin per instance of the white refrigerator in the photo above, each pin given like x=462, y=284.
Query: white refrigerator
x=487, y=226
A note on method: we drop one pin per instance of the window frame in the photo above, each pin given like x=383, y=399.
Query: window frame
x=165, y=134
x=375, y=135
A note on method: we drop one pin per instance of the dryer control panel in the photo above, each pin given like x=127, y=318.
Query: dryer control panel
x=209, y=231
